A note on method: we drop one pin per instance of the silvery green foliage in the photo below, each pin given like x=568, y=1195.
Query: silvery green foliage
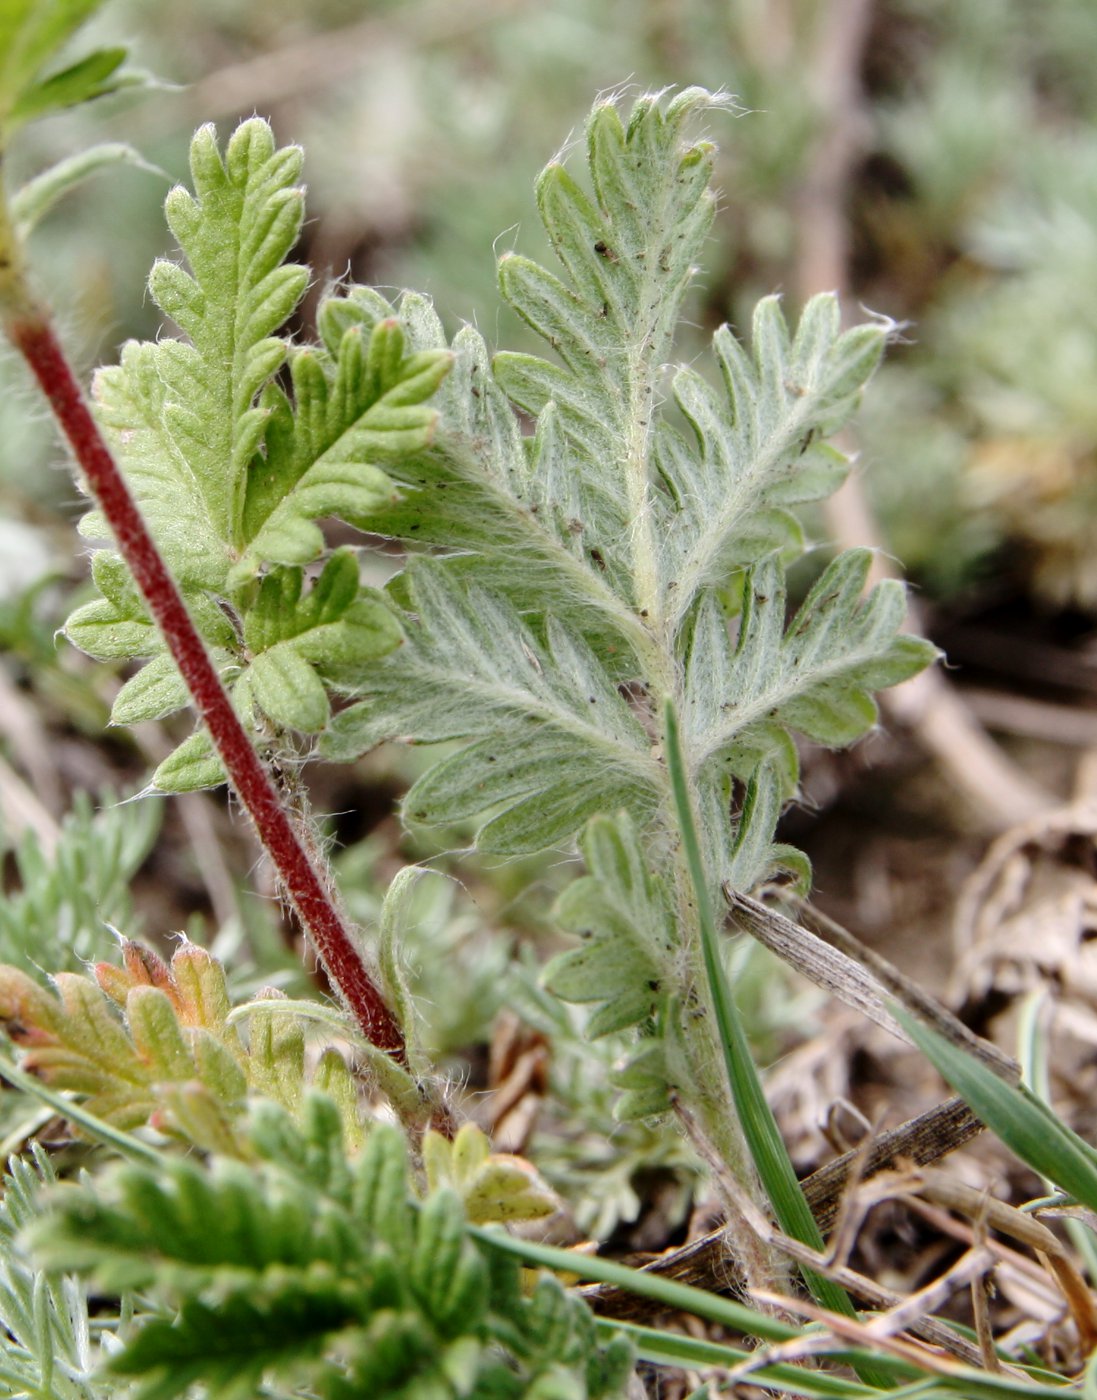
x=67, y=899
x=304, y=1267
x=630, y=550
x=232, y=472
x=47, y=1347
x=594, y=1142
x=589, y=561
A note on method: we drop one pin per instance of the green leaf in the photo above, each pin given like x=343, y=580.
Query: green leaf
x=354, y=410
x=190, y=767
x=288, y=690
x=155, y=691
x=299, y=641
x=645, y=1080
x=474, y=488
x=31, y=32
x=447, y=1274
x=231, y=472
x=556, y=741
x=380, y=1199
x=1024, y=1123
x=118, y=624
x=184, y=417
x=629, y=254
x=758, y=445
x=230, y=1346
x=103, y=630
x=300, y=1268
x=493, y=1186
x=754, y=857
x=48, y=1334
x=96, y=75
x=568, y=507
x=621, y=912
x=815, y=676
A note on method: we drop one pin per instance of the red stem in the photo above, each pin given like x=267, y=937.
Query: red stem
x=37, y=341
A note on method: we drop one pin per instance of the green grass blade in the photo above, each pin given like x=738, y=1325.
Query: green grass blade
x=1032, y=1053
x=674, y=1349
x=760, y=1129
x=1026, y=1125
x=679, y=1296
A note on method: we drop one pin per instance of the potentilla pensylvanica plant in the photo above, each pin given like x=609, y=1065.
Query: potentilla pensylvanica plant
x=592, y=618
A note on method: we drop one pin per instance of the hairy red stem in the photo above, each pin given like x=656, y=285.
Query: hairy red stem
x=35, y=338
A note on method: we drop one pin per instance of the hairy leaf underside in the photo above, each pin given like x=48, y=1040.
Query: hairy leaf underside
x=589, y=562
x=630, y=548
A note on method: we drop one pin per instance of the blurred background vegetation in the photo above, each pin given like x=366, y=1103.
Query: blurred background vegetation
x=934, y=162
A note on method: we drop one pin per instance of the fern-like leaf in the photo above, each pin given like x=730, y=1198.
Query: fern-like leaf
x=620, y=911
x=359, y=403
x=630, y=254
x=627, y=961
x=305, y=1266
x=174, y=1059
x=759, y=442
x=591, y=564
x=815, y=676
x=231, y=472
x=186, y=415
x=555, y=740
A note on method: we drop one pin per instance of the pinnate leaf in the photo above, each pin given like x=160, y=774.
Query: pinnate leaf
x=232, y=472
x=355, y=409
x=283, y=1270
x=759, y=440
x=555, y=739
x=620, y=911
x=184, y=417
x=300, y=640
x=173, y=1056
x=815, y=676
x=629, y=253
x=625, y=964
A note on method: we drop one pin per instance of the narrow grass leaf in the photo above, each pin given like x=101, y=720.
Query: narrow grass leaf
x=763, y=1137
x=1025, y=1124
